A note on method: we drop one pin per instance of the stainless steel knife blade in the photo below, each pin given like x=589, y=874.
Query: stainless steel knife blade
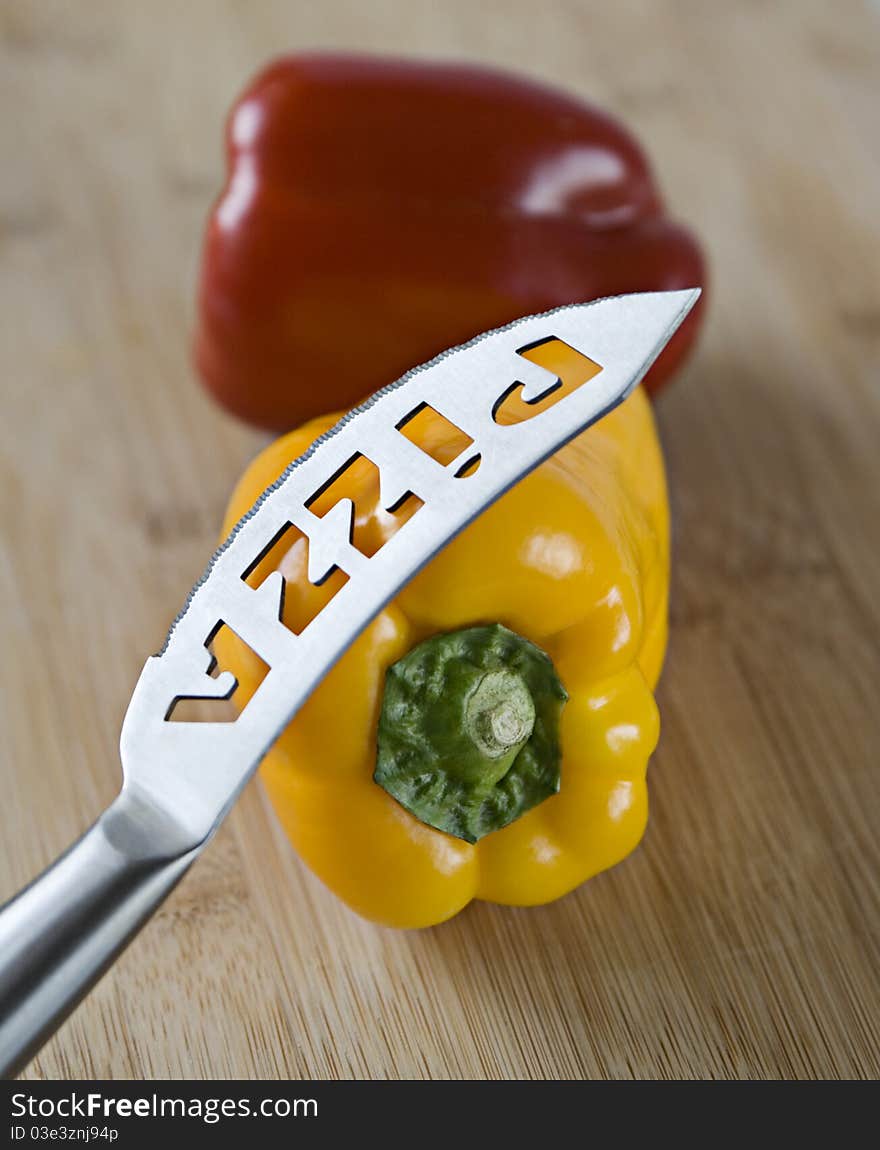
x=180, y=778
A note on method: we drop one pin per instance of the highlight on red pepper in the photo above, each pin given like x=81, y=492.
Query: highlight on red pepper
x=377, y=211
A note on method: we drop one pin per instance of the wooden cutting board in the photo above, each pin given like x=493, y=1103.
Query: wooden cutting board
x=742, y=938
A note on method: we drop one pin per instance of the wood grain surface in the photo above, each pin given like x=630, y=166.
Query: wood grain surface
x=741, y=940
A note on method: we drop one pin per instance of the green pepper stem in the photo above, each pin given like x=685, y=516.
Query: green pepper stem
x=469, y=731
x=499, y=713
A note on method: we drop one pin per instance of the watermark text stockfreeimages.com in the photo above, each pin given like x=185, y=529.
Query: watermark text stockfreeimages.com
x=98, y=1105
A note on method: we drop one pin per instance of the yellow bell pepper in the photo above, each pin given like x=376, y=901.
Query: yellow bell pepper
x=575, y=560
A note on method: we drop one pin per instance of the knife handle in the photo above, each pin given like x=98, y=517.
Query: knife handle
x=59, y=935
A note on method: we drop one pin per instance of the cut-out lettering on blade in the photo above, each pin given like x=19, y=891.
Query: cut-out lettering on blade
x=437, y=448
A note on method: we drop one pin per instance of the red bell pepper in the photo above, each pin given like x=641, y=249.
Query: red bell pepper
x=378, y=211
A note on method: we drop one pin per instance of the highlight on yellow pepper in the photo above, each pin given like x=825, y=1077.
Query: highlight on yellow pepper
x=488, y=735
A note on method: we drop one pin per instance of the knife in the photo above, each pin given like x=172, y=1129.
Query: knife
x=180, y=778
